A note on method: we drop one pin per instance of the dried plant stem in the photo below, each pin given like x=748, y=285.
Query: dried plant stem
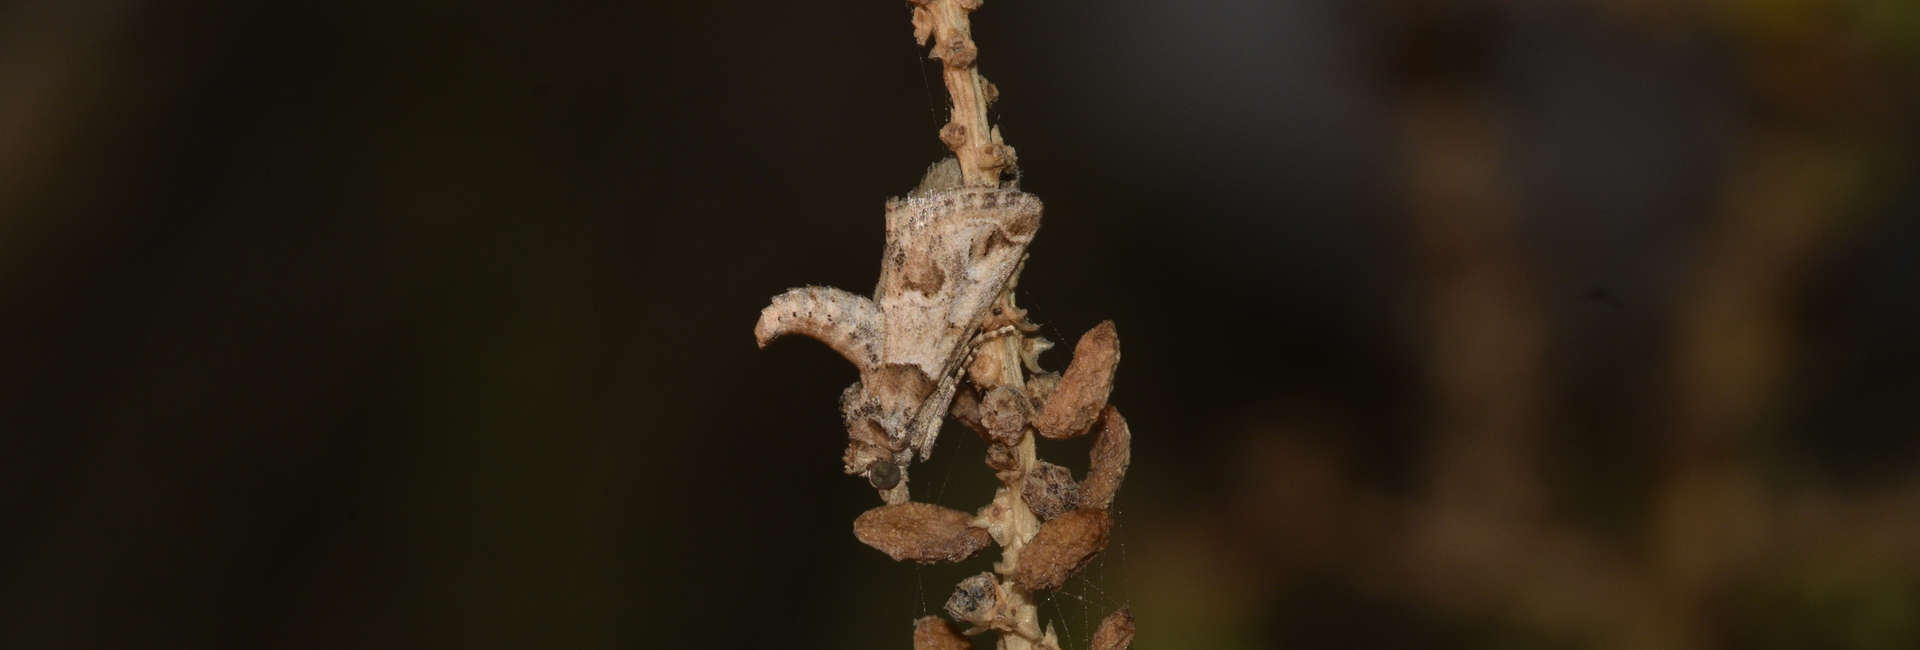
x=1008, y=518
x=983, y=156
x=942, y=335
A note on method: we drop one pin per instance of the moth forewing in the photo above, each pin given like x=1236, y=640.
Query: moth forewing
x=949, y=255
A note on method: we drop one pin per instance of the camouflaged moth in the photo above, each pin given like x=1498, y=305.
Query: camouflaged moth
x=950, y=251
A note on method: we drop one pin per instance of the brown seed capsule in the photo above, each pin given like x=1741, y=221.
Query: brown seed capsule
x=1050, y=491
x=975, y=600
x=1062, y=548
x=1111, y=455
x=921, y=532
x=1005, y=461
x=1004, y=412
x=935, y=633
x=1115, y=633
x=966, y=409
x=1083, y=391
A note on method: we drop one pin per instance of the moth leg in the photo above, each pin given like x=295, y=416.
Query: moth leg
x=925, y=427
x=989, y=335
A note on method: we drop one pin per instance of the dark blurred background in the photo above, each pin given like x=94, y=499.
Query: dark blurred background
x=1449, y=324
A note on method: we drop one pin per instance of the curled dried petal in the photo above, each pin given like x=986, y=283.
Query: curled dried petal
x=1062, y=548
x=1083, y=390
x=1050, y=491
x=1030, y=349
x=1115, y=633
x=935, y=633
x=1111, y=454
x=921, y=532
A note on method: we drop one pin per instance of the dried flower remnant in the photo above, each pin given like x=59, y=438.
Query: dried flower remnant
x=1050, y=491
x=1062, y=549
x=1082, y=392
x=935, y=633
x=921, y=532
x=1003, y=412
x=1116, y=632
x=1112, y=453
x=976, y=600
x=942, y=335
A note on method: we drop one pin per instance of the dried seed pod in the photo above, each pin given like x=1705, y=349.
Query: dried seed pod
x=1083, y=391
x=1005, y=460
x=1115, y=633
x=1050, y=491
x=966, y=409
x=1111, y=455
x=1004, y=412
x=935, y=633
x=921, y=532
x=976, y=600
x=1003, y=457
x=1062, y=548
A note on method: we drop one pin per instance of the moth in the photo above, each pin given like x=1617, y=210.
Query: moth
x=950, y=252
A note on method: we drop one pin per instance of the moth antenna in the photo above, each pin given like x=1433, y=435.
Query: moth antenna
x=848, y=323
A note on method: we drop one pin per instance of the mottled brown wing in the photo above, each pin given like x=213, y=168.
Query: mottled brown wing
x=851, y=325
x=948, y=256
